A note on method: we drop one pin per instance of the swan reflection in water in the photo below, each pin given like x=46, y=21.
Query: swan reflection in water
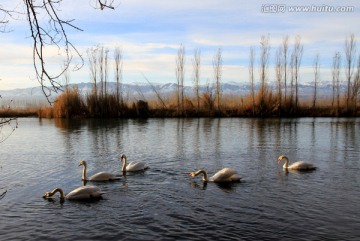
x=297, y=172
x=225, y=186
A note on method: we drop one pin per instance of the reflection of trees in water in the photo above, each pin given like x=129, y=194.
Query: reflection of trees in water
x=99, y=137
x=269, y=138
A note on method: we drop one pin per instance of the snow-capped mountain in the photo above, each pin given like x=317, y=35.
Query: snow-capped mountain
x=35, y=96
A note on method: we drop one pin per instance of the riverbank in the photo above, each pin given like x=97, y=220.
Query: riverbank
x=72, y=105
x=14, y=113
x=142, y=110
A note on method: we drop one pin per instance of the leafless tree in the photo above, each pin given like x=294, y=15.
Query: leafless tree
x=285, y=60
x=336, y=79
x=92, y=54
x=217, y=66
x=106, y=72
x=251, y=77
x=350, y=50
x=316, y=79
x=279, y=74
x=296, y=58
x=118, y=74
x=292, y=78
x=180, y=75
x=264, y=63
x=356, y=86
x=196, y=78
x=101, y=70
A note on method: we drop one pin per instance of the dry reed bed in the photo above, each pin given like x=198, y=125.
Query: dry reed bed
x=71, y=105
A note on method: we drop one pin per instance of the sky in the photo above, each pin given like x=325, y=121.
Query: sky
x=150, y=32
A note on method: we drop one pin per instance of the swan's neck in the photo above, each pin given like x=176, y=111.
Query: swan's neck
x=204, y=178
x=286, y=162
x=124, y=164
x=84, y=172
x=62, y=196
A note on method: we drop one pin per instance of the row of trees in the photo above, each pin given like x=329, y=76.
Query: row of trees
x=287, y=61
x=287, y=74
x=213, y=93
x=261, y=101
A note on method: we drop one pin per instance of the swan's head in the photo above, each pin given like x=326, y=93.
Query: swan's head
x=280, y=158
x=82, y=163
x=52, y=193
x=191, y=174
x=122, y=157
x=47, y=194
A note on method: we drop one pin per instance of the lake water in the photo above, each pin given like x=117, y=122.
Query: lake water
x=163, y=203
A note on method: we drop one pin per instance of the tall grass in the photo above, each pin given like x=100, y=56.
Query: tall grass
x=71, y=104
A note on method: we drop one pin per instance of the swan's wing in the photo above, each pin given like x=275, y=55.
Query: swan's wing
x=300, y=165
x=224, y=175
x=102, y=176
x=84, y=192
x=136, y=166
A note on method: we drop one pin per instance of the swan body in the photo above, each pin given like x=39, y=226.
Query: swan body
x=80, y=193
x=132, y=166
x=224, y=175
x=300, y=165
x=100, y=176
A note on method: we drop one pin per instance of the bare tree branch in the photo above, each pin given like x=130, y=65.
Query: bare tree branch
x=49, y=29
x=55, y=35
x=106, y=4
x=156, y=92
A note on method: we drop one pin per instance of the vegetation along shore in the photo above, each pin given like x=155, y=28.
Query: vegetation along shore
x=282, y=101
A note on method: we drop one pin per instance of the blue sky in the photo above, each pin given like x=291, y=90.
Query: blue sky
x=151, y=31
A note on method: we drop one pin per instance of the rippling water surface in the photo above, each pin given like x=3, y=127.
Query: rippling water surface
x=163, y=203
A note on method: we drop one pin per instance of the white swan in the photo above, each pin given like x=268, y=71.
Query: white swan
x=224, y=175
x=132, y=166
x=100, y=176
x=80, y=193
x=300, y=165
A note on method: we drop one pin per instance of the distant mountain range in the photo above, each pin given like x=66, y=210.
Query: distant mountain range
x=34, y=96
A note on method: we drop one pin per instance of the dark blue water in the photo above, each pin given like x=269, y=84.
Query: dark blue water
x=163, y=203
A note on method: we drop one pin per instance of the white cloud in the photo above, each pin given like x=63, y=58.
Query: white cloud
x=151, y=31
